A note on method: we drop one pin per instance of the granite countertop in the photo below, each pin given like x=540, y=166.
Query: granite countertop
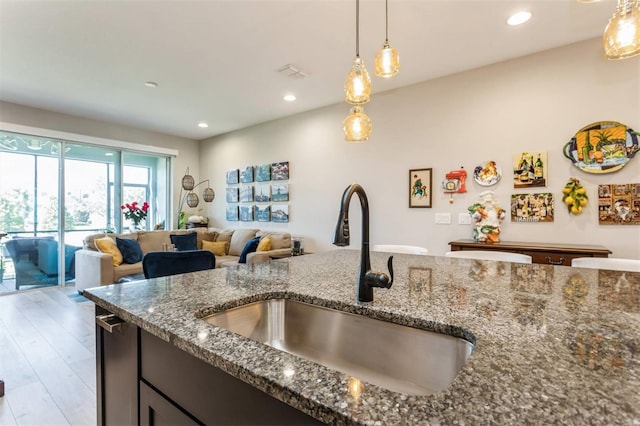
x=554, y=344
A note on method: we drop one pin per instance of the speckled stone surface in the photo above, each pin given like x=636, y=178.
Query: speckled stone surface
x=554, y=344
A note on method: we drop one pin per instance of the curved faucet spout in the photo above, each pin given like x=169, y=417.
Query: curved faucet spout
x=367, y=279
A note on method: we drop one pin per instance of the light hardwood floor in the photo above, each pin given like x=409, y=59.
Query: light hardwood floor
x=47, y=358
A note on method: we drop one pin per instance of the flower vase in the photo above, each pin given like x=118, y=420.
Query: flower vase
x=135, y=226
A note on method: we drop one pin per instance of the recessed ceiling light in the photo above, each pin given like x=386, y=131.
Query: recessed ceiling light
x=109, y=154
x=519, y=18
x=151, y=84
x=289, y=98
x=203, y=125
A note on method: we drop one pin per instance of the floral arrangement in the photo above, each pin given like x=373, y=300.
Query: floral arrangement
x=135, y=213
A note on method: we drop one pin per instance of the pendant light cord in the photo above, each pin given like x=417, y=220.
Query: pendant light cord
x=386, y=21
x=357, y=28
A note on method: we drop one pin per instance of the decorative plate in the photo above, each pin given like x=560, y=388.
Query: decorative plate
x=602, y=147
x=487, y=174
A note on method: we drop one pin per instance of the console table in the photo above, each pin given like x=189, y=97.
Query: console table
x=547, y=253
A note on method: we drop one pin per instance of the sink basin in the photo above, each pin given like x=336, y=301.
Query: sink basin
x=395, y=357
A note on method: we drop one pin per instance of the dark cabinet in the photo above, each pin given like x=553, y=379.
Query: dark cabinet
x=547, y=253
x=155, y=410
x=142, y=379
x=117, y=370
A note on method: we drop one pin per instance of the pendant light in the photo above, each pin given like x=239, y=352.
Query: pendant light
x=357, y=86
x=621, y=37
x=387, y=60
x=357, y=125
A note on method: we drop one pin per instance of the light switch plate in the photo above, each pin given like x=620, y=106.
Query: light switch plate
x=443, y=218
x=464, y=219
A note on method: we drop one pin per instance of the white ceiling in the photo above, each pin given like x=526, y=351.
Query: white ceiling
x=217, y=61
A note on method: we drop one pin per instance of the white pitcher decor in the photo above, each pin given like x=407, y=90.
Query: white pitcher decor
x=487, y=216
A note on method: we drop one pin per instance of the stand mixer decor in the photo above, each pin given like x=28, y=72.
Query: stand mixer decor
x=455, y=182
x=487, y=216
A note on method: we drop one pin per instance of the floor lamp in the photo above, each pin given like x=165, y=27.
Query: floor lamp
x=190, y=197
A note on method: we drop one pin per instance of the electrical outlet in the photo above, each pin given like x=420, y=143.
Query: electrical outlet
x=464, y=219
x=443, y=218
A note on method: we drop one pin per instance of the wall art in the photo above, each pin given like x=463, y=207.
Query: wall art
x=246, y=213
x=279, y=192
x=246, y=194
x=574, y=196
x=263, y=173
x=280, y=213
x=530, y=169
x=263, y=213
x=602, y=147
x=246, y=175
x=262, y=193
x=455, y=182
x=232, y=176
x=487, y=173
x=232, y=213
x=619, y=204
x=420, y=188
x=280, y=171
x=233, y=195
x=532, y=207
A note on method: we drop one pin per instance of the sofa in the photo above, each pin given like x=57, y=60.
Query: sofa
x=95, y=268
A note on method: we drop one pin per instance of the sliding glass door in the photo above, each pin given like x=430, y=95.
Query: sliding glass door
x=53, y=193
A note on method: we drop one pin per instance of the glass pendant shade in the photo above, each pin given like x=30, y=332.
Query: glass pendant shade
x=387, y=61
x=357, y=125
x=208, y=195
x=357, y=86
x=192, y=199
x=621, y=37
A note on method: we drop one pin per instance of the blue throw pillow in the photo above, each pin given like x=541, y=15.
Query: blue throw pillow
x=130, y=249
x=185, y=242
x=250, y=247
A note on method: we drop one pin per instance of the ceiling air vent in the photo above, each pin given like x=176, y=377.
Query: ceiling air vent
x=292, y=71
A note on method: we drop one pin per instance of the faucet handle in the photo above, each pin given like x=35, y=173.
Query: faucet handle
x=380, y=279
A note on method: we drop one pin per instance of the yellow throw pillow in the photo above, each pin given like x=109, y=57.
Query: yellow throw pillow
x=218, y=248
x=265, y=244
x=108, y=245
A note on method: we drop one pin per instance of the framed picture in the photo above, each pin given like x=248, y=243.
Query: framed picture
x=280, y=213
x=246, y=175
x=262, y=193
x=619, y=204
x=420, y=185
x=232, y=195
x=530, y=169
x=232, y=176
x=532, y=207
x=246, y=213
x=263, y=213
x=246, y=194
x=280, y=171
x=263, y=173
x=280, y=192
x=232, y=213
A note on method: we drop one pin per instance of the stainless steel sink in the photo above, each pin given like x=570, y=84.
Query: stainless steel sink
x=393, y=356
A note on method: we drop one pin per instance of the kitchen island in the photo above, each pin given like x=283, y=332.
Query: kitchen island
x=553, y=344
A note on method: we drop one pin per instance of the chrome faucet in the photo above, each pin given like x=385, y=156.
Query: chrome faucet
x=367, y=279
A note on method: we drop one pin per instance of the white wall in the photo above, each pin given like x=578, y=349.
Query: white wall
x=535, y=103
x=43, y=119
